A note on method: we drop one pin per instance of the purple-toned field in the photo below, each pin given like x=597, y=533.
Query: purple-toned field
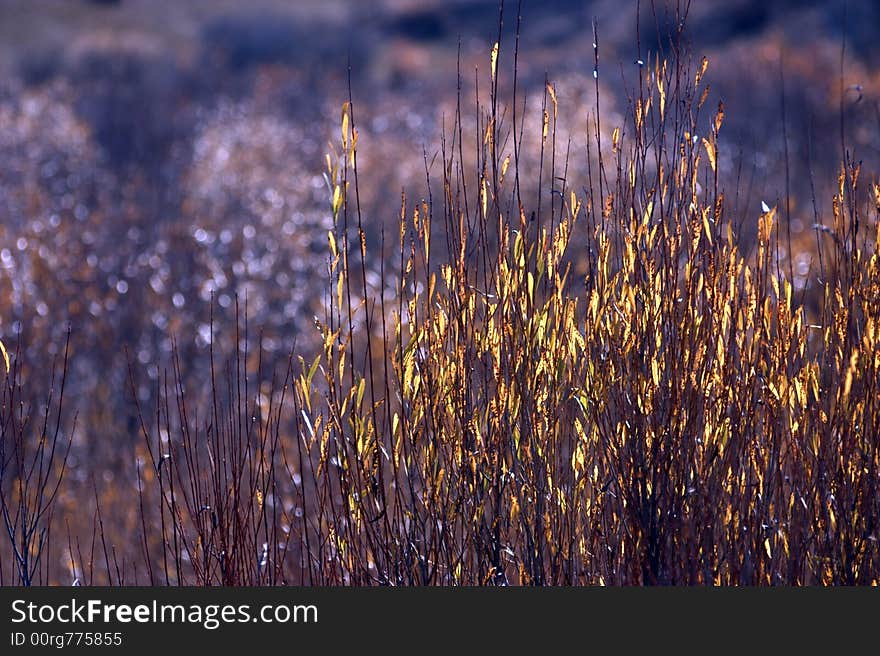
x=163, y=171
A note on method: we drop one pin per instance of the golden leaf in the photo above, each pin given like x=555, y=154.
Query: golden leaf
x=337, y=199
x=504, y=166
x=345, y=126
x=552, y=91
x=703, y=66
x=332, y=239
x=710, y=151
x=719, y=116
x=706, y=227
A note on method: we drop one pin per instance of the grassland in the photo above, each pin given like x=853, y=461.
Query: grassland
x=532, y=378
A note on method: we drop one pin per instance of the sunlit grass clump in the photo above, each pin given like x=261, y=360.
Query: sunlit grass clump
x=672, y=413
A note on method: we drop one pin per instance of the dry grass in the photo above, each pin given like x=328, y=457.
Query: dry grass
x=604, y=384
